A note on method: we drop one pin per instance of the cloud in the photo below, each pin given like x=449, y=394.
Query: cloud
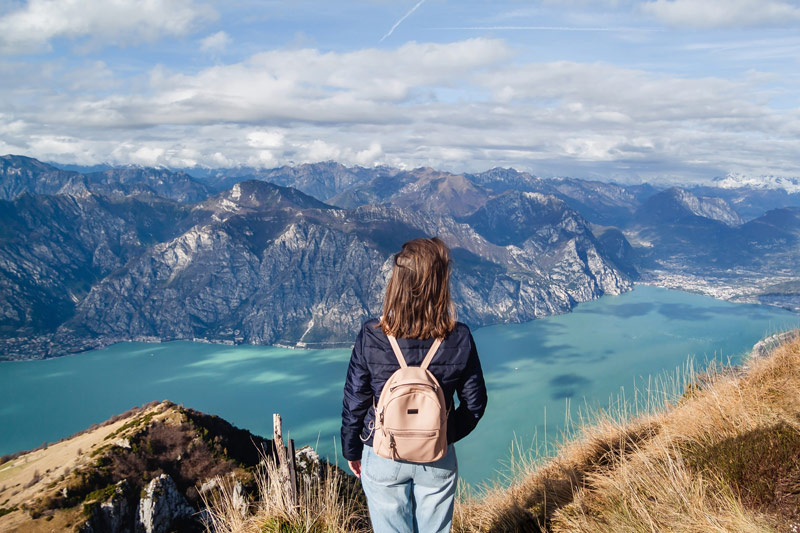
x=462, y=106
x=266, y=139
x=31, y=28
x=724, y=13
x=216, y=42
x=289, y=86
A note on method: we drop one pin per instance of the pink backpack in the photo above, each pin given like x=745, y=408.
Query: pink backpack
x=411, y=416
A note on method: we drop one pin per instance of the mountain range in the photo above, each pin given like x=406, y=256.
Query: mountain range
x=299, y=256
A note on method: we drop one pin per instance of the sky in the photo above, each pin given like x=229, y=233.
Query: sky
x=680, y=90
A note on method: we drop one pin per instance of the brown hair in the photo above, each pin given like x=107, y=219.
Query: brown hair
x=417, y=304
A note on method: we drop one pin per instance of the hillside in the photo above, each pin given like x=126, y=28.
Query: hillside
x=146, y=466
x=723, y=456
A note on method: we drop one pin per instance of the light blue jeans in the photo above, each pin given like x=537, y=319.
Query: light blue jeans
x=408, y=497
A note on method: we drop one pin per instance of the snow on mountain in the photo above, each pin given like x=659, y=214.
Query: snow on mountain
x=735, y=181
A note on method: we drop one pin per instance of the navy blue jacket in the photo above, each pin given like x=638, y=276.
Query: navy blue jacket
x=372, y=362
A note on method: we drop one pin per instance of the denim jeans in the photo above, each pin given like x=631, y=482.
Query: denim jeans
x=409, y=497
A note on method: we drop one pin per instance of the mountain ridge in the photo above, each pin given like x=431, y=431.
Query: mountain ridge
x=87, y=261
x=261, y=263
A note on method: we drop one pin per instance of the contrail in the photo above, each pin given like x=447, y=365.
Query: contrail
x=396, y=24
x=544, y=28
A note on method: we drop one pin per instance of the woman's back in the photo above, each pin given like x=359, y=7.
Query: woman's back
x=456, y=366
x=404, y=495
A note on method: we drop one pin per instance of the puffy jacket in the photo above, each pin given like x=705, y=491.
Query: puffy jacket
x=372, y=362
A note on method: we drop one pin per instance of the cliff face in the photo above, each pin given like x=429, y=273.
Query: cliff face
x=265, y=264
x=283, y=272
x=146, y=254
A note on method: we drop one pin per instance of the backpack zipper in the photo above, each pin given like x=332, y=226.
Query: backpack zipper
x=401, y=434
x=434, y=387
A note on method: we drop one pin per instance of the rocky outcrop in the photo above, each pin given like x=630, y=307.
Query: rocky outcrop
x=115, y=515
x=307, y=464
x=214, y=487
x=162, y=507
x=765, y=346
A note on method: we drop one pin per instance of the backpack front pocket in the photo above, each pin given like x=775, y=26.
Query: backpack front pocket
x=416, y=446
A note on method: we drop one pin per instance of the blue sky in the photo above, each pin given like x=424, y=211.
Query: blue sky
x=655, y=89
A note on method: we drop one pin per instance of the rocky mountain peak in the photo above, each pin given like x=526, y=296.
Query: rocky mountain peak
x=676, y=203
x=515, y=216
x=261, y=195
x=20, y=174
x=423, y=189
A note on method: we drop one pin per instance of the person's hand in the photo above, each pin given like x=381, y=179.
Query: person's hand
x=355, y=466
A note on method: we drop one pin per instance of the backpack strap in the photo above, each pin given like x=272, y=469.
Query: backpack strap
x=399, y=354
x=431, y=353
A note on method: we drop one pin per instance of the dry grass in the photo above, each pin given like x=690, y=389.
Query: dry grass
x=685, y=467
x=328, y=503
x=30, y=476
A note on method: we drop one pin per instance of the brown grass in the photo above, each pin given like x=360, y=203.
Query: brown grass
x=331, y=502
x=723, y=457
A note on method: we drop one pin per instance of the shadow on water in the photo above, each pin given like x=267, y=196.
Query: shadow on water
x=620, y=310
x=522, y=342
x=567, y=385
x=678, y=311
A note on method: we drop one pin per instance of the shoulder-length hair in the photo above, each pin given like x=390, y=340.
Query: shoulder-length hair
x=417, y=304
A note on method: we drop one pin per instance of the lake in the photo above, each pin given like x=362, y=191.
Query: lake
x=533, y=371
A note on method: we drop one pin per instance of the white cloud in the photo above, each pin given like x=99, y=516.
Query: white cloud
x=216, y=42
x=369, y=156
x=320, y=150
x=468, y=105
x=265, y=139
x=286, y=86
x=118, y=22
x=724, y=13
x=148, y=156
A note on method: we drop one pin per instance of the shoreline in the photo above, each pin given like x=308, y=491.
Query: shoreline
x=661, y=284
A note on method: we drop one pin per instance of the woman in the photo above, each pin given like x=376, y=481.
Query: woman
x=406, y=496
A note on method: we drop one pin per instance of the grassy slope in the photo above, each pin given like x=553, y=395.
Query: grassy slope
x=57, y=487
x=724, y=457
x=27, y=478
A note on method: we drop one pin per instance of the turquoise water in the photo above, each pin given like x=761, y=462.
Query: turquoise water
x=532, y=370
